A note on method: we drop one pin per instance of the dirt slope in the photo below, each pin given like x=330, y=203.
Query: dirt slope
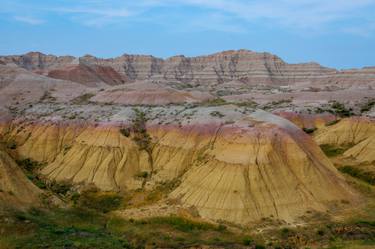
x=15, y=189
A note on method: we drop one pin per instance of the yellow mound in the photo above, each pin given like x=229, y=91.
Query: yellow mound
x=15, y=189
x=359, y=133
x=258, y=167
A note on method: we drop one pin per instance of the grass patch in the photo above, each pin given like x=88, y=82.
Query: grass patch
x=332, y=151
x=71, y=228
x=182, y=224
x=368, y=177
x=214, y=102
x=79, y=228
x=102, y=202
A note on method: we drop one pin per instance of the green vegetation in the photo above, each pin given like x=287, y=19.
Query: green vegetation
x=182, y=224
x=125, y=132
x=30, y=168
x=143, y=174
x=140, y=135
x=214, y=102
x=332, y=151
x=12, y=145
x=102, y=202
x=368, y=106
x=217, y=114
x=368, y=177
x=80, y=228
x=309, y=130
x=339, y=109
x=250, y=104
x=333, y=122
x=71, y=228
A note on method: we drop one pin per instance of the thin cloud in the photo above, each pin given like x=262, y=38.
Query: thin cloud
x=29, y=20
x=223, y=15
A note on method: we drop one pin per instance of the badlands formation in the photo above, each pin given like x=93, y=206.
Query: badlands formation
x=235, y=135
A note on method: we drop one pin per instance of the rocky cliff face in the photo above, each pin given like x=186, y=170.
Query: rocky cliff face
x=242, y=65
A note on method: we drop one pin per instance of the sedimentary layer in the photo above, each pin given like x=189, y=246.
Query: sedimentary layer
x=259, y=166
x=357, y=134
x=245, y=66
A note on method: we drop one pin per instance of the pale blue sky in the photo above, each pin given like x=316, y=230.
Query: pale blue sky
x=335, y=33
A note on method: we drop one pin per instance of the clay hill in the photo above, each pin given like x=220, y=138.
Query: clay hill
x=235, y=136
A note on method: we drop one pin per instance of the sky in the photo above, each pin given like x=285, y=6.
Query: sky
x=334, y=33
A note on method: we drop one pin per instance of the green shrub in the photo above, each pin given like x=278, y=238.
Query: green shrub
x=143, y=174
x=28, y=164
x=181, y=224
x=250, y=104
x=30, y=168
x=60, y=188
x=248, y=241
x=333, y=122
x=332, y=151
x=141, y=137
x=215, y=102
x=12, y=145
x=125, y=132
x=260, y=247
x=368, y=177
x=217, y=114
x=100, y=201
x=340, y=109
x=368, y=106
x=309, y=130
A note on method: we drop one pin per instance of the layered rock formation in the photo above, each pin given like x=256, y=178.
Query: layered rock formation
x=358, y=134
x=260, y=166
x=88, y=75
x=149, y=94
x=232, y=163
x=308, y=121
x=245, y=66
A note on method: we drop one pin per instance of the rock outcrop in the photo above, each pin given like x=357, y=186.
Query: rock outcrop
x=357, y=133
x=88, y=75
x=260, y=166
x=245, y=66
x=308, y=121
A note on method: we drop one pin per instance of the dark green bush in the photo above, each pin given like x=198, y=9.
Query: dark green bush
x=100, y=201
x=247, y=241
x=339, y=109
x=181, y=224
x=125, y=132
x=143, y=174
x=368, y=106
x=368, y=177
x=332, y=151
x=215, y=102
x=309, y=130
x=12, y=145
